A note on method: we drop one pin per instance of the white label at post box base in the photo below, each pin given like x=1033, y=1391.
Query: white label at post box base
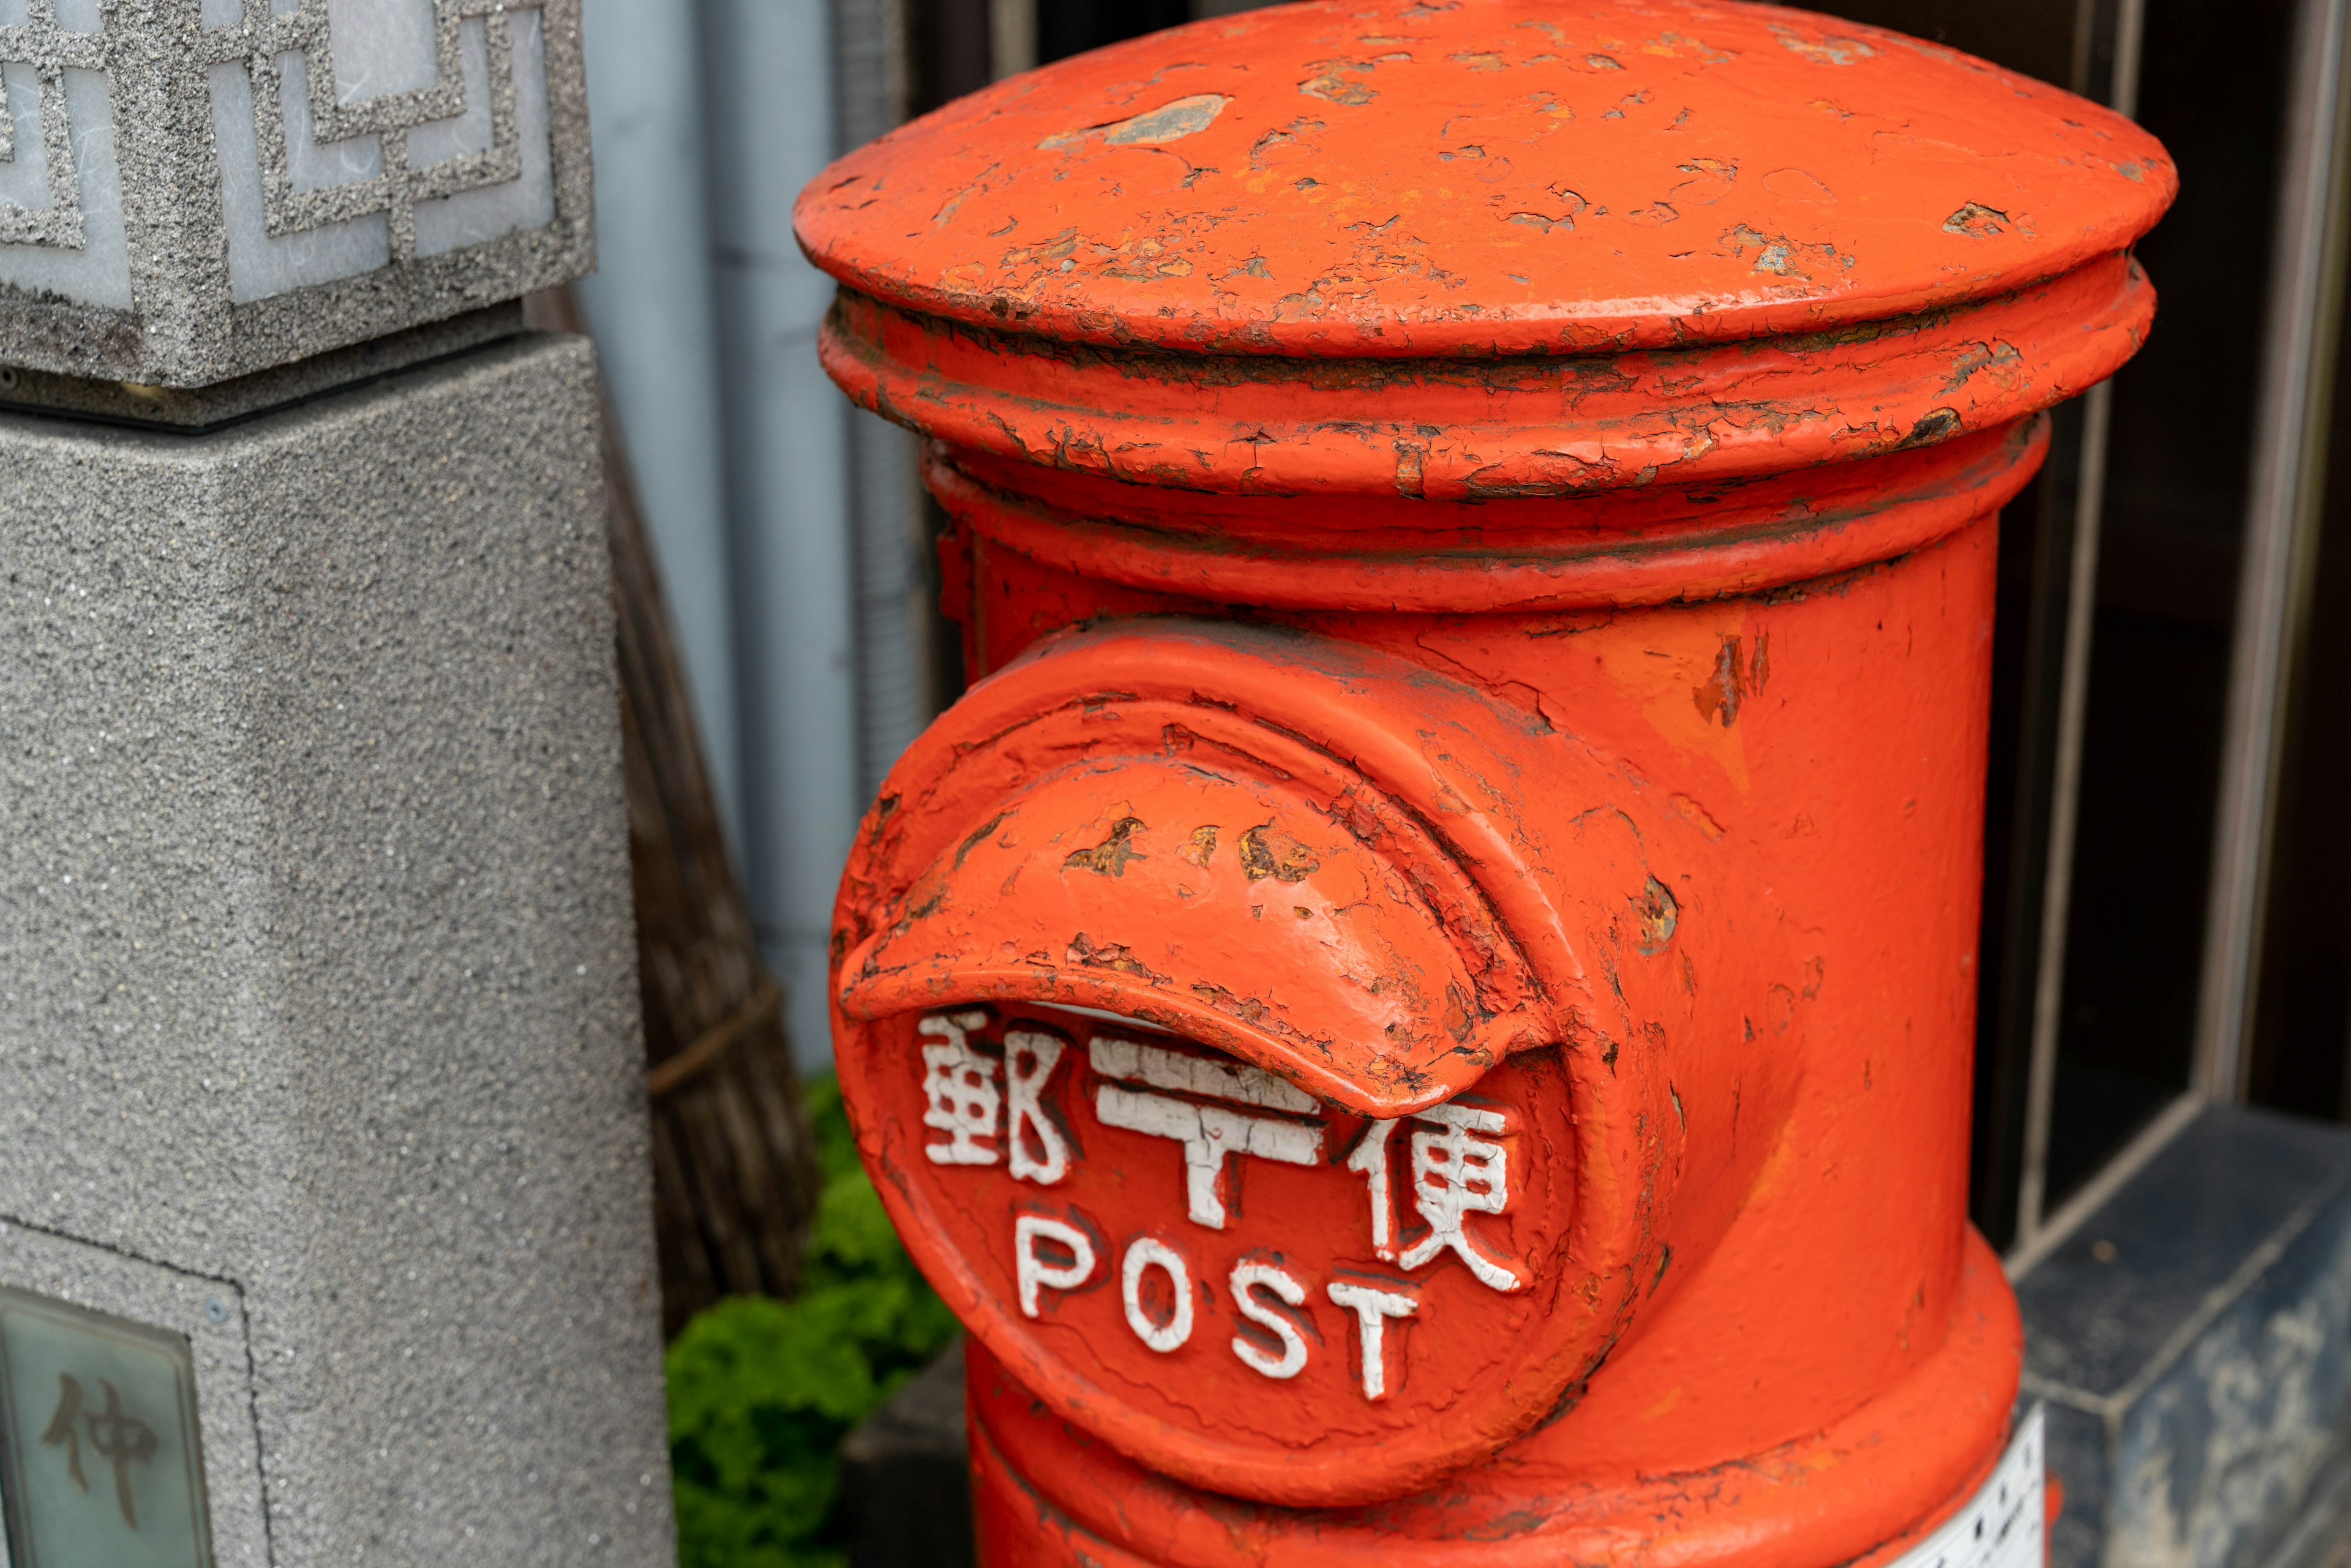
x=1206, y=1243
x=2004, y=1524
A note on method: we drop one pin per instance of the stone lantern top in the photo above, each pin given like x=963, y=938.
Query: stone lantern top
x=1481, y=177
x=195, y=190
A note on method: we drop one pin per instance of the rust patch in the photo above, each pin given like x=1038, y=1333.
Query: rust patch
x=1330, y=84
x=1711, y=180
x=1460, y=1019
x=1780, y=257
x=1286, y=145
x=1977, y=222
x=1410, y=457
x=955, y=199
x=1826, y=49
x=1197, y=848
x=1658, y=913
x=1268, y=852
x=1109, y=857
x=1112, y=956
x=977, y=836
x=1569, y=203
x=1935, y=424
x=1999, y=358
x=1721, y=693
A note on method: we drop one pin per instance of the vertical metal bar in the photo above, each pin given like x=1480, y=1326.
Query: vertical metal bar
x=2064, y=809
x=2073, y=684
x=1011, y=36
x=2130, y=49
x=2287, y=481
x=2086, y=1199
x=2085, y=37
x=872, y=85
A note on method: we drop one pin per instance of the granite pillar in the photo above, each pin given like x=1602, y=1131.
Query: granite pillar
x=324, y=1230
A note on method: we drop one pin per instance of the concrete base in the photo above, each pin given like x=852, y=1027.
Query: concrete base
x=317, y=995
x=2193, y=1340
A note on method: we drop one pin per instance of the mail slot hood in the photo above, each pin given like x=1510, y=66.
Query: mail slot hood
x=1392, y=1029
x=1163, y=820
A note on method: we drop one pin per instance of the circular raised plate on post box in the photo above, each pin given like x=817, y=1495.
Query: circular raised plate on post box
x=1216, y=1028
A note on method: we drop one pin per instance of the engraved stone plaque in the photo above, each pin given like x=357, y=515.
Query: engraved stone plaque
x=100, y=1458
x=193, y=190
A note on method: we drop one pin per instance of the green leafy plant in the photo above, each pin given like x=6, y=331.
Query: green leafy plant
x=761, y=1392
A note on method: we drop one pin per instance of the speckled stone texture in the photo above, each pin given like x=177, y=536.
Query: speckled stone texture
x=196, y=190
x=316, y=968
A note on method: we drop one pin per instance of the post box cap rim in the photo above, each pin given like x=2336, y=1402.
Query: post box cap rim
x=1324, y=179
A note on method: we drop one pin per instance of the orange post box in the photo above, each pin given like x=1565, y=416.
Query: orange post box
x=1420, y=1007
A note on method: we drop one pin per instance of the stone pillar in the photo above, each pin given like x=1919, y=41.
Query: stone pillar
x=325, y=1233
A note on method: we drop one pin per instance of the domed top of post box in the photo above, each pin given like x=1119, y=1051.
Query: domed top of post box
x=1484, y=177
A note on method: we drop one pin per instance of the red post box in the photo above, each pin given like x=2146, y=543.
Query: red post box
x=1421, y=1005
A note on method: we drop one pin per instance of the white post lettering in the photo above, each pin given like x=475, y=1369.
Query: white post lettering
x=1373, y=1307
x=1248, y=1278
x=1370, y=1160
x=1029, y=1058
x=1453, y=1176
x=1150, y=1253
x=960, y=1085
x=1208, y=1132
x=1031, y=1270
x=1188, y=1074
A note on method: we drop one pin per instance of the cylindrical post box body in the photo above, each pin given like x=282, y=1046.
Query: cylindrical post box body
x=1422, y=1004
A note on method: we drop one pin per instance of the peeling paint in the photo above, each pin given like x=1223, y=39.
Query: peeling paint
x=1516, y=467
x=1460, y=129
x=1169, y=122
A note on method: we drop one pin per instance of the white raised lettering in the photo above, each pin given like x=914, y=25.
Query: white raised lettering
x=1188, y=1074
x=1455, y=1175
x=1373, y=1307
x=1150, y=1253
x=1208, y=1132
x=1370, y=1160
x=1248, y=1278
x=1029, y=1058
x=960, y=1086
x=1032, y=1271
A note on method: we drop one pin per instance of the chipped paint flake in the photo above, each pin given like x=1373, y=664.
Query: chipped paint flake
x=1156, y=128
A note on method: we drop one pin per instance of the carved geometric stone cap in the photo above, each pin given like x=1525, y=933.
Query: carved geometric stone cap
x=1480, y=177
x=193, y=190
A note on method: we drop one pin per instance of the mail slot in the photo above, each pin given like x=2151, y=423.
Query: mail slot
x=1421, y=1005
